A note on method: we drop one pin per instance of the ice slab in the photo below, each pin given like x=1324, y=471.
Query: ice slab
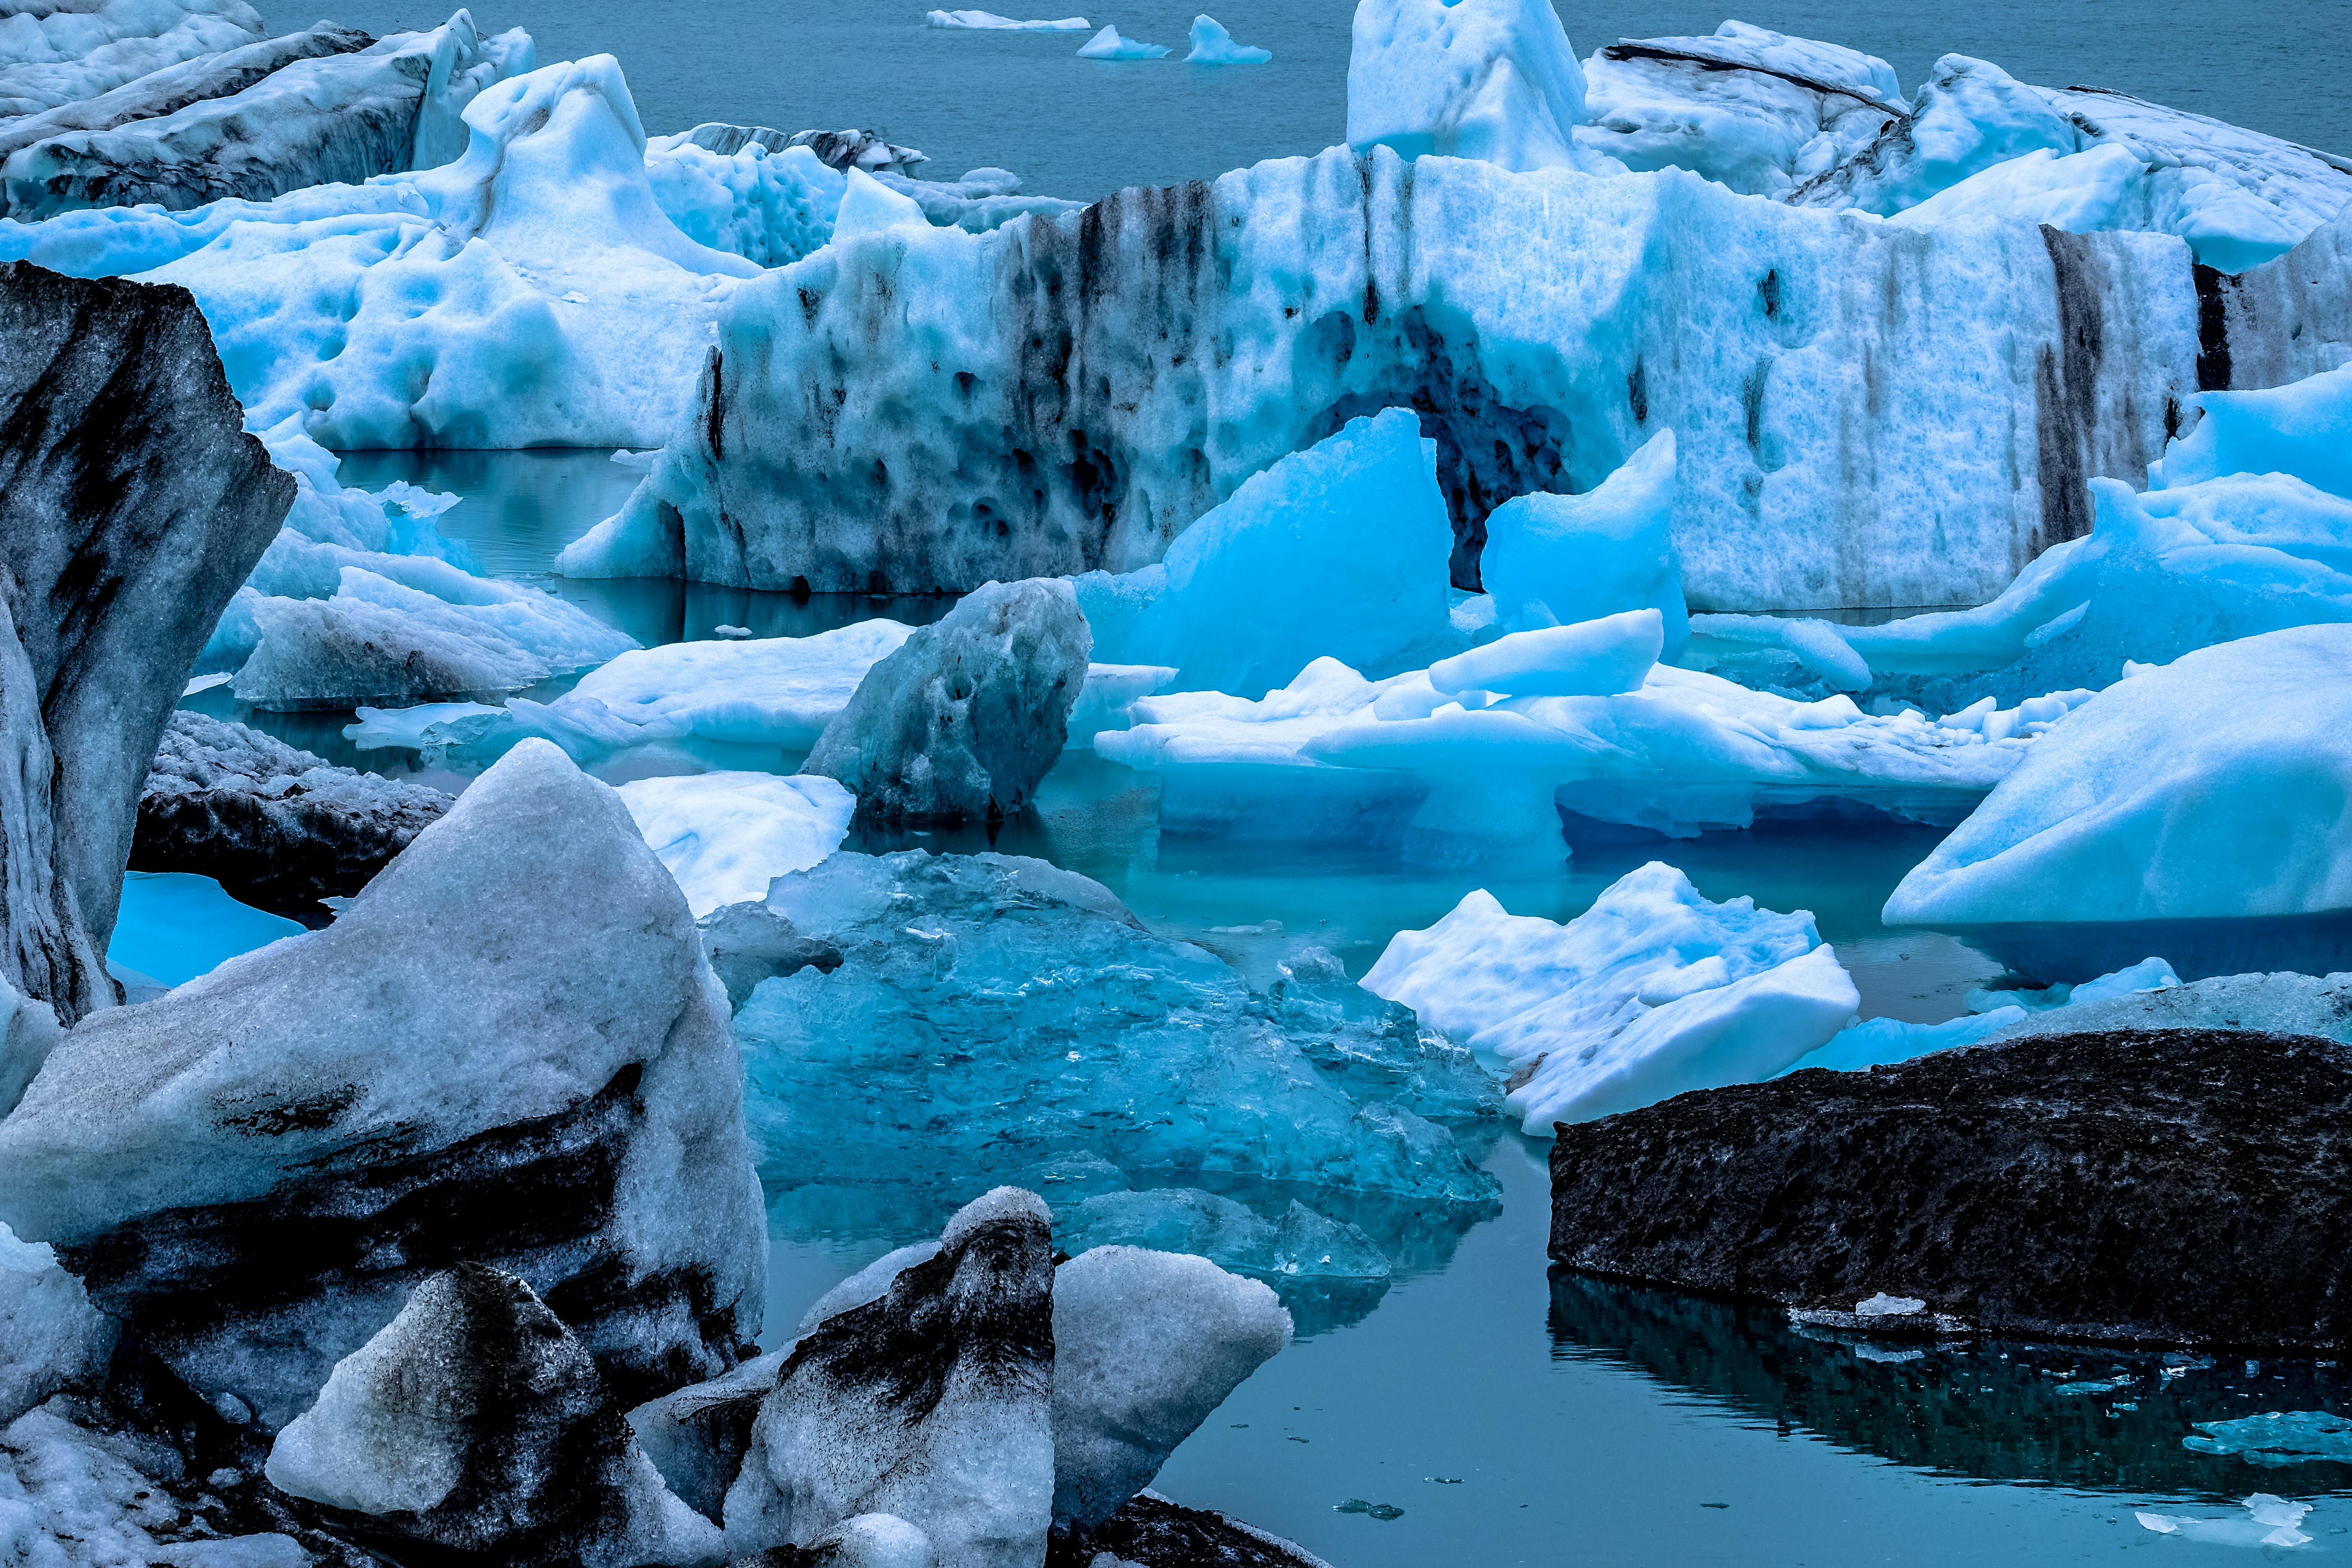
x=1606, y=658
x=50, y=1336
x=726, y=836
x=1877, y=1042
x=2302, y=429
x=1651, y=992
x=989, y=21
x=2268, y=1522
x=1108, y=45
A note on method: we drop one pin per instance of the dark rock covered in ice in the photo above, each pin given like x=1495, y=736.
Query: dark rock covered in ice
x=509, y=1050
x=930, y=1403
x=132, y=505
x=1152, y=1531
x=963, y=720
x=272, y=823
x=2154, y=1186
x=475, y=1423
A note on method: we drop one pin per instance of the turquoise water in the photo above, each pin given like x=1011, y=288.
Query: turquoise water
x=175, y=926
x=1082, y=127
x=1515, y=1416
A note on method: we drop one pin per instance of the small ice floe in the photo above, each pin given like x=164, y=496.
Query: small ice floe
x=1882, y=1305
x=2292, y=1437
x=207, y=682
x=1263, y=928
x=1108, y=45
x=641, y=461
x=723, y=630
x=2269, y=1522
x=2093, y=1386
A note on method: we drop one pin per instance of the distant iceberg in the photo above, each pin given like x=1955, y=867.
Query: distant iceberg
x=1213, y=46
x=989, y=21
x=1108, y=45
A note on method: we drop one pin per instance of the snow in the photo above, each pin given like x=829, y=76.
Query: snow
x=1651, y=992
x=1755, y=109
x=56, y=54
x=2302, y=429
x=961, y=722
x=1213, y=46
x=1492, y=79
x=1338, y=549
x=50, y=1335
x=1564, y=559
x=1146, y=1345
x=989, y=21
x=726, y=836
x=967, y=982
x=523, y=951
x=1108, y=45
x=2182, y=792
x=1605, y=658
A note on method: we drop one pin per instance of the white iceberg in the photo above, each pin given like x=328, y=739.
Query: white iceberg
x=2269, y=1522
x=2302, y=429
x=988, y=21
x=1108, y=45
x=52, y=55
x=1492, y=79
x=726, y=836
x=1213, y=46
x=1651, y=992
x=1561, y=558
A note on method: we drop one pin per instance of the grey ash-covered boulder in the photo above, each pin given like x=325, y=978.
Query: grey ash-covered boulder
x=2128, y=1185
x=509, y=1050
x=963, y=720
x=272, y=823
x=475, y=1423
x=132, y=504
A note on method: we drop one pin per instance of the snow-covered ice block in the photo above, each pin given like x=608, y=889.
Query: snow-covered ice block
x=1146, y=1344
x=1592, y=658
x=2209, y=790
x=1030, y=1000
x=1582, y=557
x=57, y=54
x=1213, y=46
x=931, y=1403
x=2302, y=429
x=1752, y=109
x=1341, y=549
x=475, y=1422
x=1492, y=79
x=963, y=719
x=514, y=1019
x=1651, y=992
x=726, y=836
x=50, y=1336
x=1108, y=45
x=989, y=21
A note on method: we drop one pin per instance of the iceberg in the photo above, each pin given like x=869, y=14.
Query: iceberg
x=726, y=836
x=1651, y=992
x=1339, y=550
x=1108, y=45
x=1543, y=327
x=54, y=55
x=1213, y=46
x=1750, y=108
x=2269, y=1522
x=2303, y=431
x=1491, y=79
x=1564, y=559
x=2274, y=1439
x=1967, y=116
x=988, y=21
x=1083, y=1049
x=2182, y=811
x=1993, y=1014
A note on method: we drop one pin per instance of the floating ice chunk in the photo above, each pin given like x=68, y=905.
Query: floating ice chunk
x=2279, y=1003
x=474, y=1421
x=1882, y=1305
x=2295, y=1437
x=1594, y=658
x=418, y=727
x=724, y=629
x=971, y=1464
x=990, y=22
x=726, y=836
x=1108, y=45
x=1585, y=556
x=1213, y=46
x=50, y=1336
x=1493, y=80
x=2269, y=1522
x=1146, y=1344
x=779, y=691
x=1651, y=992
x=1747, y=106
x=964, y=718
x=1879, y=1042
x=2197, y=791
x=1338, y=551
x=2303, y=428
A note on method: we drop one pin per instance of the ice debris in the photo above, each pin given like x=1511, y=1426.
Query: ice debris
x=2269, y=1522
x=1651, y=992
x=1108, y=45
x=1213, y=46
x=726, y=836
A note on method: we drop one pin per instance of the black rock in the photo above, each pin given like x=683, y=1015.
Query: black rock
x=132, y=504
x=274, y=825
x=2136, y=1186
x=1152, y=1533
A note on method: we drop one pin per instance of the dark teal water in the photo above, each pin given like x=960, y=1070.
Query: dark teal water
x=1082, y=127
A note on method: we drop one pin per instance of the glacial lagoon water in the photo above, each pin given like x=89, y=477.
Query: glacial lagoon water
x=1484, y=1411
x=1084, y=128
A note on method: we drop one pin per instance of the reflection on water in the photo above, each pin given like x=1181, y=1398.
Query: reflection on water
x=2087, y=1417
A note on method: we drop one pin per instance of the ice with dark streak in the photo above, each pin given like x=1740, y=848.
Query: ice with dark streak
x=508, y=1050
